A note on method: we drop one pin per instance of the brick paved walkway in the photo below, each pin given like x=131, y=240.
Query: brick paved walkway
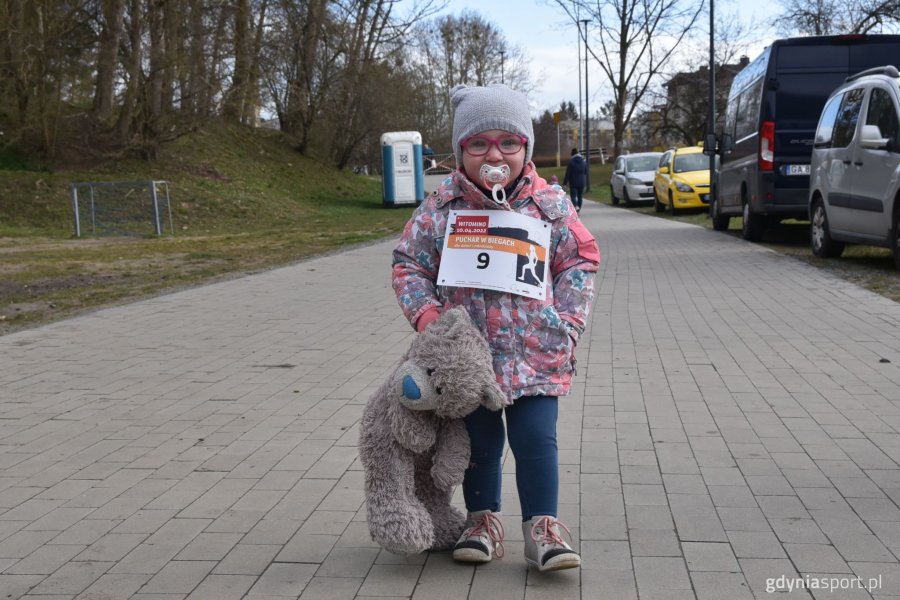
x=732, y=422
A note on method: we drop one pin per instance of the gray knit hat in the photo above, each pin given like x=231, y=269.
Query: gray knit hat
x=493, y=107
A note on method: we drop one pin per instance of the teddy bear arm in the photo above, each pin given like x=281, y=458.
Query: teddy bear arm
x=451, y=454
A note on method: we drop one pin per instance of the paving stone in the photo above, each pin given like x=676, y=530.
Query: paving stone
x=717, y=585
x=654, y=542
x=114, y=587
x=755, y=544
x=179, y=577
x=816, y=558
x=45, y=560
x=732, y=496
x=743, y=519
x=707, y=556
x=247, y=559
x=209, y=546
x=222, y=587
x=283, y=579
x=799, y=531
x=657, y=574
x=348, y=562
x=331, y=588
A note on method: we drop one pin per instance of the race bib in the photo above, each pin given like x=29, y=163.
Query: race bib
x=496, y=250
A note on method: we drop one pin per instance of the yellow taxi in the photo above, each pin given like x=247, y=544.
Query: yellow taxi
x=681, y=180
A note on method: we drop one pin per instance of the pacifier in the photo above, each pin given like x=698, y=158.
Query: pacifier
x=495, y=179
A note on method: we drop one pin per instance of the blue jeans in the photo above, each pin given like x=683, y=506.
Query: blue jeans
x=531, y=425
x=577, y=194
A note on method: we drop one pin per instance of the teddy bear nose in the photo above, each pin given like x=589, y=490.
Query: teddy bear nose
x=410, y=389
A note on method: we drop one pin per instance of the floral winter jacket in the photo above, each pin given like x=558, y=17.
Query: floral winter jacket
x=532, y=341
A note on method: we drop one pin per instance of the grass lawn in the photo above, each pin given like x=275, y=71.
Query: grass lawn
x=243, y=201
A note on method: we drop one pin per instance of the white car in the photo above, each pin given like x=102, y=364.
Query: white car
x=854, y=194
x=632, y=177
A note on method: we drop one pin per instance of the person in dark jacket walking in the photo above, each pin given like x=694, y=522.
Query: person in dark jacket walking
x=576, y=178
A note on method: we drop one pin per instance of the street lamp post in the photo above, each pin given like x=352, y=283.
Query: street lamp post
x=502, y=61
x=587, y=110
x=580, y=103
x=711, y=117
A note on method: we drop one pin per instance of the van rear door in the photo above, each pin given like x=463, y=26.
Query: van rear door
x=805, y=77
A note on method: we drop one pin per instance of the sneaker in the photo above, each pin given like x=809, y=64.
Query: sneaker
x=544, y=548
x=482, y=539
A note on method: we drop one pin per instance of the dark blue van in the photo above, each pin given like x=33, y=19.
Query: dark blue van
x=772, y=112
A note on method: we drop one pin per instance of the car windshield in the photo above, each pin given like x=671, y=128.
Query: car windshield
x=691, y=162
x=642, y=163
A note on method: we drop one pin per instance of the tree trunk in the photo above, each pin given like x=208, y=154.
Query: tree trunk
x=252, y=97
x=13, y=67
x=155, y=85
x=236, y=96
x=196, y=84
x=134, y=83
x=113, y=17
x=170, y=55
x=301, y=105
x=212, y=86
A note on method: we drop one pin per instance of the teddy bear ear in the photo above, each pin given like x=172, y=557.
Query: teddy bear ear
x=493, y=397
x=457, y=323
x=452, y=317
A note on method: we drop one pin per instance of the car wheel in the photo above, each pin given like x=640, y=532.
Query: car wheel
x=754, y=225
x=657, y=205
x=896, y=238
x=820, y=234
x=625, y=196
x=672, y=210
x=612, y=194
x=720, y=222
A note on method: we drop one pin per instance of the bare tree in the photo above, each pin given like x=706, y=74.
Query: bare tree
x=828, y=17
x=677, y=109
x=297, y=58
x=45, y=55
x=454, y=49
x=133, y=75
x=632, y=41
x=113, y=17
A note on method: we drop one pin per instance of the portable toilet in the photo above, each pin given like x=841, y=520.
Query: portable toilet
x=403, y=177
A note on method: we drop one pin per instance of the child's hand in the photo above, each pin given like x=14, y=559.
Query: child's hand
x=432, y=314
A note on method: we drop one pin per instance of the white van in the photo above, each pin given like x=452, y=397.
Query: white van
x=854, y=192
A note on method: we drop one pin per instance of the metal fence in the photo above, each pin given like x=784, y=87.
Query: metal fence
x=439, y=164
x=121, y=207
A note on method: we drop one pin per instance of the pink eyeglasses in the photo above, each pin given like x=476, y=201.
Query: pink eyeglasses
x=479, y=145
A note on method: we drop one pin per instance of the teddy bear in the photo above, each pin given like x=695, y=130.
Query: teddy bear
x=413, y=443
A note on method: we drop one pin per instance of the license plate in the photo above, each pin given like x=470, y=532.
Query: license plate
x=796, y=169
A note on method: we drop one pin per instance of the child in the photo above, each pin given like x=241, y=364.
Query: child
x=554, y=180
x=532, y=341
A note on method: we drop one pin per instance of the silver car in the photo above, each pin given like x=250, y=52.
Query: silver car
x=854, y=192
x=632, y=177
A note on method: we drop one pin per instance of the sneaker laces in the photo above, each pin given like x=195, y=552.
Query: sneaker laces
x=490, y=526
x=544, y=531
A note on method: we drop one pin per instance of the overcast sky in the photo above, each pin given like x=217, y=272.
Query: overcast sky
x=542, y=29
